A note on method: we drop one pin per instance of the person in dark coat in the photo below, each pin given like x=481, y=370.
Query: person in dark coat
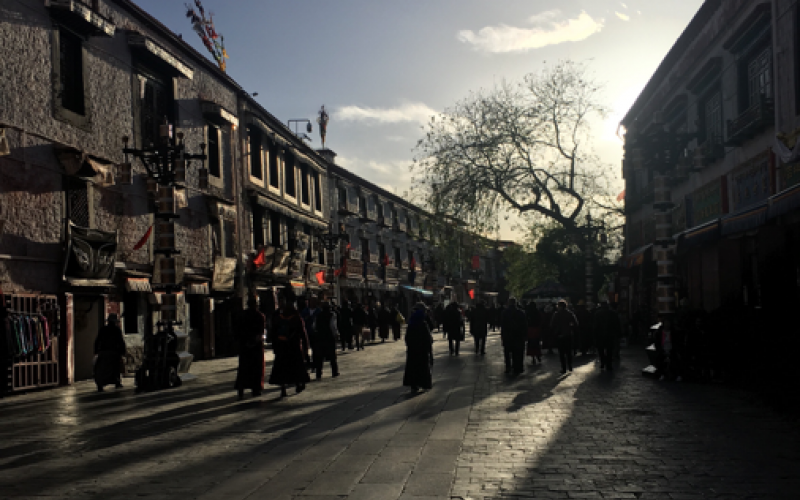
x=384, y=321
x=290, y=344
x=372, y=320
x=419, y=351
x=453, y=327
x=438, y=315
x=534, y=318
x=513, y=333
x=607, y=330
x=478, y=326
x=396, y=320
x=326, y=326
x=309, y=314
x=109, y=347
x=344, y=320
x=250, y=374
x=359, y=322
x=563, y=326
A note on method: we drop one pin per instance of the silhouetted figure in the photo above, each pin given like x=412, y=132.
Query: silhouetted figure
x=419, y=351
x=563, y=326
x=325, y=348
x=607, y=330
x=478, y=326
x=534, y=318
x=453, y=327
x=514, y=332
x=109, y=347
x=290, y=344
x=250, y=374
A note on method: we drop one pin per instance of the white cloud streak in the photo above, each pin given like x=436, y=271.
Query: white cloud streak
x=408, y=112
x=546, y=30
x=622, y=16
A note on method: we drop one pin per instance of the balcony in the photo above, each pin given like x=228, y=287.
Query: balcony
x=709, y=152
x=399, y=225
x=753, y=120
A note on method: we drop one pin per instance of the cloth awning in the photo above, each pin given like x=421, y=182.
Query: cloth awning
x=275, y=206
x=745, y=220
x=197, y=289
x=138, y=285
x=698, y=236
x=784, y=202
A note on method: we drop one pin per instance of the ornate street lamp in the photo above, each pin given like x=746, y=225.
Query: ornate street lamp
x=330, y=242
x=166, y=165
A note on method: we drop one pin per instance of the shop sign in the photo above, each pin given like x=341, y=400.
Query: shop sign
x=90, y=253
x=750, y=182
x=708, y=202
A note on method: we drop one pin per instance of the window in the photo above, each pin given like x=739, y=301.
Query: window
x=275, y=230
x=342, y=197
x=711, y=116
x=364, y=249
x=305, y=189
x=155, y=104
x=254, y=153
x=288, y=176
x=70, y=72
x=274, y=173
x=130, y=312
x=398, y=261
x=79, y=210
x=380, y=211
x=213, y=150
x=317, y=192
x=260, y=220
x=229, y=234
x=759, y=77
x=381, y=252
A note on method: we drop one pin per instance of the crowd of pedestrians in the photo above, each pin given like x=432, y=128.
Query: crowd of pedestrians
x=305, y=333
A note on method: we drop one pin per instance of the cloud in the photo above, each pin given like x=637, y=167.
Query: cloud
x=546, y=30
x=623, y=16
x=407, y=112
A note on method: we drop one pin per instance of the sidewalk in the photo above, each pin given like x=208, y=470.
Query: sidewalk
x=476, y=434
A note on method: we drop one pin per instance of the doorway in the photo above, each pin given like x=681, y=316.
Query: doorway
x=88, y=318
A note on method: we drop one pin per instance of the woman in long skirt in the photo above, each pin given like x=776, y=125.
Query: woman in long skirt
x=250, y=374
x=384, y=320
x=419, y=351
x=109, y=347
x=290, y=343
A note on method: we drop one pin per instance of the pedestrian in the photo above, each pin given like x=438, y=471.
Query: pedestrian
x=453, y=328
x=344, y=321
x=309, y=314
x=534, y=318
x=607, y=330
x=290, y=344
x=478, y=326
x=250, y=374
x=513, y=333
x=563, y=326
x=584, y=341
x=109, y=348
x=372, y=320
x=397, y=321
x=419, y=351
x=326, y=327
x=359, y=323
x=438, y=315
x=384, y=321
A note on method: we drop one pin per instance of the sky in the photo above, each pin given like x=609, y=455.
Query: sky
x=381, y=68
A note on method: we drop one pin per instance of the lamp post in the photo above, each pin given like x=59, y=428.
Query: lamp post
x=166, y=165
x=309, y=127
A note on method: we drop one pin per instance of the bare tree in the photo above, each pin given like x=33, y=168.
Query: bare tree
x=521, y=148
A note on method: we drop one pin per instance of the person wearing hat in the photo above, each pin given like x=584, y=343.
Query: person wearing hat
x=109, y=348
x=419, y=351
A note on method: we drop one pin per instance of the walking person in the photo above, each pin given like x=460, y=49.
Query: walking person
x=563, y=326
x=607, y=330
x=109, y=348
x=478, y=326
x=438, y=315
x=384, y=321
x=534, y=318
x=359, y=322
x=309, y=314
x=290, y=344
x=345, y=324
x=514, y=332
x=453, y=327
x=372, y=319
x=250, y=374
x=396, y=320
x=327, y=332
x=419, y=351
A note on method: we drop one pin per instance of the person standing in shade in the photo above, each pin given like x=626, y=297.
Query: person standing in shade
x=109, y=348
x=396, y=320
x=453, y=327
x=478, y=326
x=384, y=321
x=438, y=315
x=419, y=351
x=607, y=330
x=534, y=318
x=290, y=344
x=309, y=314
x=327, y=333
x=372, y=319
x=359, y=322
x=563, y=326
x=345, y=324
x=250, y=374
x=514, y=332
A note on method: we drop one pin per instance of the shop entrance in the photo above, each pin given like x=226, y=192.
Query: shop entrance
x=88, y=318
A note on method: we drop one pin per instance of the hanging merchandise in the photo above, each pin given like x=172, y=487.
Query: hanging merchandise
x=29, y=326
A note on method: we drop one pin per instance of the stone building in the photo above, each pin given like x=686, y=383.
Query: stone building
x=711, y=178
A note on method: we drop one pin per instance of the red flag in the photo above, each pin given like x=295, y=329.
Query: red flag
x=337, y=272
x=476, y=262
x=260, y=259
x=320, y=277
x=472, y=294
x=386, y=260
x=144, y=239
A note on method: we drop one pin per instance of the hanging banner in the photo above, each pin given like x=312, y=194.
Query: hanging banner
x=90, y=253
x=224, y=273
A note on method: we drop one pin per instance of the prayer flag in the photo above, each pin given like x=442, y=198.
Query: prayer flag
x=144, y=239
x=320, y=277
x=260, y=259
x=472, y=294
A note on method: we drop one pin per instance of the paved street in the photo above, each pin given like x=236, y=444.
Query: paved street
x=477, y=434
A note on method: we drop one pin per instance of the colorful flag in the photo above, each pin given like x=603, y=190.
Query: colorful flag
x=144, y=239
x=260, y=259
x=472, y=294
x=320, y=277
